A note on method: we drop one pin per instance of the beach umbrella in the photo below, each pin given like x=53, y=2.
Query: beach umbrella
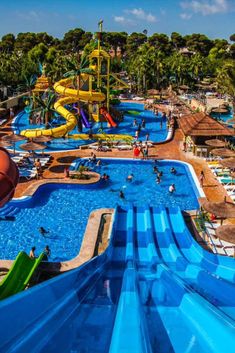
x=223, y=152
x=228, y=162
x=153, y=92
x=215, y=143
x=184, y=87
x=13, y=138
x=42, y=138
x=32, y=146
x=222, y=209
x=5, y=143
x=226, y=232
x=219, y=110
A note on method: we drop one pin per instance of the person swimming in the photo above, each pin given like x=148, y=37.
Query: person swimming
x=155, y=169
x=105, y=176
x=121, y=194
x=158, y=179
x=173, y=170
x=43, y=231
x=130, y=177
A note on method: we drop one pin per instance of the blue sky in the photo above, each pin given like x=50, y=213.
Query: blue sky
x=215, y=18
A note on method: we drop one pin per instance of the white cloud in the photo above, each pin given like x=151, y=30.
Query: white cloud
x=206, y=7
x=29, y=15
x=119, y=19
x=123, y=20
x=142, y=15
x=185, y=16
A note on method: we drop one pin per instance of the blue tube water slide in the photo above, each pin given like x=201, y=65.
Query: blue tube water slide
x=85, y=119
x=153, y=290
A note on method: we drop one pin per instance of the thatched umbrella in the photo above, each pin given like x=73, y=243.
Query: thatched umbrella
x=153, y=92
x=5, y=143
x=228, y=162
x=215, y=143
x=184, y=87
x=13, y=138
x=42, y=138
x=219, y=209
x=223, y=152
x=219, y=110
x=32, y=146
x=227, y=233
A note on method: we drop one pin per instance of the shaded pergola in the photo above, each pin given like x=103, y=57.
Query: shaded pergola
x=199, y=127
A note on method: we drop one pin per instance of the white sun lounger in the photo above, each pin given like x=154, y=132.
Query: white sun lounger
x=124, y=147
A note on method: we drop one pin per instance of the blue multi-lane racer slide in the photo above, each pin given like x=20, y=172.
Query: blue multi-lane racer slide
x=153, y=290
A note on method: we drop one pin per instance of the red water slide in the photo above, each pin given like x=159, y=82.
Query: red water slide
x=108, y=117
x=9, y=176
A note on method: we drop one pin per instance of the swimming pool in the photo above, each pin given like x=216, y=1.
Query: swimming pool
x=157, y=133
x=63, y=209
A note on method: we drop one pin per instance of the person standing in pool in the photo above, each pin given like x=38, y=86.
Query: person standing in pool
x=143, y=123
x=32, y=253
x=172, y=188
x=134, y=123
x=47, y=253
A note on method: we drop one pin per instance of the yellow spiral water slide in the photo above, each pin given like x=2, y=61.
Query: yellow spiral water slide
x=69, y=96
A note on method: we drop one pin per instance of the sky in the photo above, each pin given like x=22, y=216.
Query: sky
x=215, y=18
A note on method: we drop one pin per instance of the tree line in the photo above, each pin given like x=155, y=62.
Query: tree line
x=150, y=61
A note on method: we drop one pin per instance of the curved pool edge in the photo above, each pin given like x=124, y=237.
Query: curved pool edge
x=31, y=191
x=87, y=249
x=33, y=188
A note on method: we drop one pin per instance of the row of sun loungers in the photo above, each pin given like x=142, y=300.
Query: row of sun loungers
x=26, y=164
x=223, y=175
x=119, y=146
x=218, y=246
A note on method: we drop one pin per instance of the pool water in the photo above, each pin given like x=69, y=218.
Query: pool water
x=153, y=128
x=63, y=209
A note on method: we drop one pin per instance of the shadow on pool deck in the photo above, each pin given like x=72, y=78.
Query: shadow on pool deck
x=66, y=159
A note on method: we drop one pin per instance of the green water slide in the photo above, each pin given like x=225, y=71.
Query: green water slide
x=19, y=275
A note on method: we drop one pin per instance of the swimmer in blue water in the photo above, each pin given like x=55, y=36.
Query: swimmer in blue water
x=130, y=177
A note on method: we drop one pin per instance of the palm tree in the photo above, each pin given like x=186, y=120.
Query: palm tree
x=45, y=105
x=29, y=83
x=77, y=68
x=226, y=80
